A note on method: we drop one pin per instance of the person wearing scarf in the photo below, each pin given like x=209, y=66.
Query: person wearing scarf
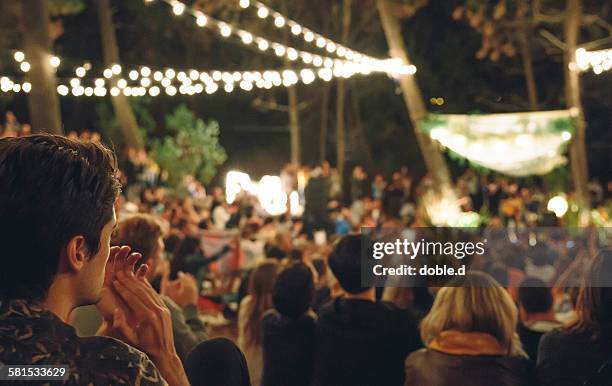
x=470, y=338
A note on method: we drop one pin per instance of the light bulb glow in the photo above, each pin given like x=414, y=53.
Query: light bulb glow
x=178, y=8
x=54, y=61
x=263, y=12
x=201, y=20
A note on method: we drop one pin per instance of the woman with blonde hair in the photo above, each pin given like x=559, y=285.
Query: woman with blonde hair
x=470, y=338
x=252, y=309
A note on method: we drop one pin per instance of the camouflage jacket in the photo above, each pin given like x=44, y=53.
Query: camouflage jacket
x=30, y=335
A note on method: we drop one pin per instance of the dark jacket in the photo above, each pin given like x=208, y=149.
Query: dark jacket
x=428, y=367
x=363, y=343
x=288, y=350
x=567, y=358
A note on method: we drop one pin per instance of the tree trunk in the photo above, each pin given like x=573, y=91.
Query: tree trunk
x=43, y=101
x=294, y=126
x=434, y=161
x=578, y=158
x=532, y=94
x=324, y=123
x=341, y=95
x=359, y=132
x=123, y=110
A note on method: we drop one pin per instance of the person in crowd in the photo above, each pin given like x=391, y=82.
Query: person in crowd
x=378, y=187
x=322, y=292
x=143, y=233
x=190, y=258
x=217, y=362
x=470, y=338
x=54, y=269
x=360, y=341
x=393, y=196
x=316, y=195
x=252, y=309
x=575, y=354
x=536, y=315
x=289, y=330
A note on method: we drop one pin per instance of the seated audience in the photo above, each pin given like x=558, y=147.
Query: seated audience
x=56, y=220
x=289, y=330
x=360, y=341
x=252, y=309
x=536, y=315
x=470, y=338
x=574, y=355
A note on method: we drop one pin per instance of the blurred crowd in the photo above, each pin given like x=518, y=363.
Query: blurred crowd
x=288, y=288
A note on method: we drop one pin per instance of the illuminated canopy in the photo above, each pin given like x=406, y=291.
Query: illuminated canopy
x=516, y=144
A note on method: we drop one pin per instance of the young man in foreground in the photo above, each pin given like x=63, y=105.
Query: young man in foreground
x=56, y=220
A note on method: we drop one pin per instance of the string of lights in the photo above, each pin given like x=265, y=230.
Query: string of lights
x=366, y=64
x=598, y=61
x=144, y=80
x=308, y=35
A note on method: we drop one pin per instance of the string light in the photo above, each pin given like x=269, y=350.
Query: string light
x=54, y=61
x=24, y=66
x=178, y=8
x=368, y=64
x=598, y=61
x=201, y=20
x=19, y=56
x=297, y=29
x=263, y=12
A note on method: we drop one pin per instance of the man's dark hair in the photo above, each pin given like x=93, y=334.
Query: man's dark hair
x=293, y=290
x=51, y=189
x=345, y=263
x=534, y=296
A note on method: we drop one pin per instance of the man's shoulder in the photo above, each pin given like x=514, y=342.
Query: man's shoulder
x=117, y=361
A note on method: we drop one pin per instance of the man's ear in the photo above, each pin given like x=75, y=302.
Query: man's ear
x=77, y=253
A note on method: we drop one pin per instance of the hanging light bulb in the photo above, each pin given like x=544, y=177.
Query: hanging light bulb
x=201, y=20
x=19, y=56
x=178, y=8
x=263, y=44
x=62, y=90
x=296, y=29
x=225, y=30
x=244, y=3
x=263, y=12
x=54, y=61
x=279, y=21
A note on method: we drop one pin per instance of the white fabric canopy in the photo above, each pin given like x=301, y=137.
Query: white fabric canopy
x=516, y=144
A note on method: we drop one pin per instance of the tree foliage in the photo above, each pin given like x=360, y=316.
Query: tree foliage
x=191, y=149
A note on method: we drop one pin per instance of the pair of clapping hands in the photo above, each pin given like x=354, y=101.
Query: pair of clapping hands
x=133, y=312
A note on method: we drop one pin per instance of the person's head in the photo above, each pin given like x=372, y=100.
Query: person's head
x=144, y=234
x=56, y=217
x=217, y=362
x=345, y=263
x=594, y=304
x=293, y=290
x=534, y=298
x=261, y=282
x=477, y=304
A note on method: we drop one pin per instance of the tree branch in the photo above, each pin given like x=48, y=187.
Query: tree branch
x=553, y=39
